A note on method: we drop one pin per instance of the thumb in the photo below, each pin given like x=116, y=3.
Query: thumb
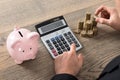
x=80, y=59
x=103, y=21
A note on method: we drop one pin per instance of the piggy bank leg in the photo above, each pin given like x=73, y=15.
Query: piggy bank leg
x=33, y=57
x=18, y=61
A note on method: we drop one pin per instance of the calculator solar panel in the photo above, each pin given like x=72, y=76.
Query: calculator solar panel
x=57, y=36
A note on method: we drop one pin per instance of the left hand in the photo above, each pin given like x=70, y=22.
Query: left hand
x=108, y=16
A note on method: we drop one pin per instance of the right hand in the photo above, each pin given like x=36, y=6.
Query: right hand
x=68, y=62
x=108, y=16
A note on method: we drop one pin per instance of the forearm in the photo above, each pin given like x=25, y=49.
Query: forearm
x=64, y=77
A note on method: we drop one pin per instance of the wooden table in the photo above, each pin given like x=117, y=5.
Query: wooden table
x=97, y=51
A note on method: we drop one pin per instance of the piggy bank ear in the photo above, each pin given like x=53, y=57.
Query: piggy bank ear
x=33, y=35
x=15, y=43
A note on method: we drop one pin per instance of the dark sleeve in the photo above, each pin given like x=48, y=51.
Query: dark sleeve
x=64, y=77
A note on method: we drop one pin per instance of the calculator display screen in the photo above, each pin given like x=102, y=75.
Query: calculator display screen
x=51, y=26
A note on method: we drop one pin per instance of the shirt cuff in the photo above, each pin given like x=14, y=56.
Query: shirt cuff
x=64, y=77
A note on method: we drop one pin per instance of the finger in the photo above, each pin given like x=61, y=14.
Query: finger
x=103, y=21
x=80, y=59
x=99, y=10
x=102, y=8
x=73, y=48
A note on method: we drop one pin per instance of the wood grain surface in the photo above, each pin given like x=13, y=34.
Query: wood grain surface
x=97, y=51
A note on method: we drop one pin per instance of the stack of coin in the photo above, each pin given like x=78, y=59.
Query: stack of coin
x=88, y=28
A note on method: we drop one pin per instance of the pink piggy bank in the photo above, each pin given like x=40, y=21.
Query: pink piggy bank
x=22, y=45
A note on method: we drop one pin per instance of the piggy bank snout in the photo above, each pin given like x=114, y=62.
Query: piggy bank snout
x=25, y=47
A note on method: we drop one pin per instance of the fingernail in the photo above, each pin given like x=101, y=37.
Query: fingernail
x=95, y=16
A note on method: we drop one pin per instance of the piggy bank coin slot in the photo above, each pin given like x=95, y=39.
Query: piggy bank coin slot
x=20, y=33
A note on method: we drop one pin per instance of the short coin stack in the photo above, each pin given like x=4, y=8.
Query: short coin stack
x=88, y=28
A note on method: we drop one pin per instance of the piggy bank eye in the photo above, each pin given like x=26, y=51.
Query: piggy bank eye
x=23, y=51
x=30, y=48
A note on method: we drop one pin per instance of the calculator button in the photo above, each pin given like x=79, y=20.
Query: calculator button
x=49, y=44
x=69, y=40
x=73, y=39
x=68, y=48
x=54, y=42
x=51, y=47
x=61, y=37
x=75, y=42
x=67, y=37
x=65, y=34
x=77, y=45
x=60, y=44
x=64, y=42
x=60, y=52
x=66, y=45
x=57, y=38
x=71, y=35
x=62, y=47
x=58, y=48
x=54, y=52
x=52, y=39
x=69, y=32
x=47, y=41
x=56, y=45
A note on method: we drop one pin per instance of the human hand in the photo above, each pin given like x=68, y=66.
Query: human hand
x=108, y=16
x=68, y=62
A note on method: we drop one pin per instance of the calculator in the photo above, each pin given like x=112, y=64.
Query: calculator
x=57, y=36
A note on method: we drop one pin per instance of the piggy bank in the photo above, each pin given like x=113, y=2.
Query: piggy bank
x=22, y=44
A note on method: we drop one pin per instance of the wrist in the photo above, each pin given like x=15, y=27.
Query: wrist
x=64, y=76
x=66, y=72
